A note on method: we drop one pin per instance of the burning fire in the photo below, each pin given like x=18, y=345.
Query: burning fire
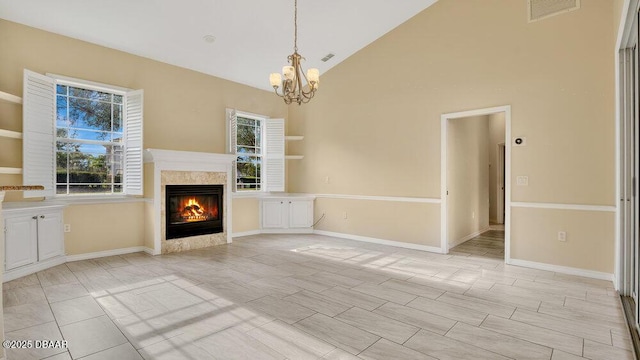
x=193, y=211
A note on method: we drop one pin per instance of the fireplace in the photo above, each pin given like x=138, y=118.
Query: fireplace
x=193, y=210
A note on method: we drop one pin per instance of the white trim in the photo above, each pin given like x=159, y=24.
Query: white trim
x=150, y=251
x=246, y=233
x=288, y=231
x=95, y=200
x=66, y=80
x=380, y=198
x=380, y=241
x=563, y=269
x=444, y=244
x=101, y=254
x=33, y=268
x=467, y=238
x=603, y=208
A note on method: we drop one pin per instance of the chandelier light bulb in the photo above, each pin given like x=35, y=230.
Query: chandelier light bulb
x=293, y=87
x=289, y=72
x=275, y=79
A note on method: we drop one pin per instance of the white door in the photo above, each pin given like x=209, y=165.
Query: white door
x=20, y=241
x=300, y=213
x=273, y=214
x=50, y=236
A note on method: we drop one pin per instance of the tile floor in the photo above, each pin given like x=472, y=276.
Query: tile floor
x=315, y=297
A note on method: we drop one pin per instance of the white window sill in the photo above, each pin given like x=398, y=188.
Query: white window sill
x=95, y=199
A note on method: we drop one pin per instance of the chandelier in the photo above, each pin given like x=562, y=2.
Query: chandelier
x=293, y=89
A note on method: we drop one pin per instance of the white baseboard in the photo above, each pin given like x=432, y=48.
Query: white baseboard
x=150, y=251
x=287, y=231
x=562, y=269
x=99, y=254
x=246, y=233
x=466, y=238
x=34, y=268
x=380, y=241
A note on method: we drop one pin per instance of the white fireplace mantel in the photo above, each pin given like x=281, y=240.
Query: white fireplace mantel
x=196, y=161
x=172, y=160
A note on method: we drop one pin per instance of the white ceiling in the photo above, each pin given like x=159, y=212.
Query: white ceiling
x=253, y=37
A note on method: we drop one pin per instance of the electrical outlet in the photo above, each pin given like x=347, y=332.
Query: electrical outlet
x=344, y=215
x=522, y=180
x=67, y=227
x=562, y=236
x=327, y=180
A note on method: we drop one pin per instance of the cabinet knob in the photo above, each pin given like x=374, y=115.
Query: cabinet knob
x=281, y=202
x=34, y=217
x=289, y=202
x=41, y=216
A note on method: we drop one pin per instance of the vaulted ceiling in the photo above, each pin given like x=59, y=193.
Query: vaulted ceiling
x=251, y=38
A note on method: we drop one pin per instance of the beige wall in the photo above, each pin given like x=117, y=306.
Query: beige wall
x=246, y=215
x=386, y=220
x=103, y=227
x=184, y=110
x=496, y=137
x=467, y=177
x=535, y=234
x=618, y=7
x=374, y=127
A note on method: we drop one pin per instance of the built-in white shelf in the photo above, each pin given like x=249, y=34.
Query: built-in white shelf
x=10, y=98
x=294, y=157
x=10, y=170
x=294, y=137
x=10, y=134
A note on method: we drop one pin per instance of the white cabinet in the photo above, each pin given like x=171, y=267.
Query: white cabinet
x=34, y=239
x=287, y=214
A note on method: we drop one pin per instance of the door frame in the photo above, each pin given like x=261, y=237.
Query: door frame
x=444, y=119
x=500, y=177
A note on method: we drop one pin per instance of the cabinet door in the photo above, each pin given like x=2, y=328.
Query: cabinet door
x=20, y=241
x=273, y=214
x=50, y=237
x=300, y=213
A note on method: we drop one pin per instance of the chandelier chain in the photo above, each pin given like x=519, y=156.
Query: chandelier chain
x=295, y=25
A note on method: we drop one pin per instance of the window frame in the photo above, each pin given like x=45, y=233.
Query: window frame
x=273, y=149
x=262, y=119
x=40, y=138
x=91, y=86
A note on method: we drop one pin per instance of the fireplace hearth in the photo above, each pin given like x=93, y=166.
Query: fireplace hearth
x=193, y=210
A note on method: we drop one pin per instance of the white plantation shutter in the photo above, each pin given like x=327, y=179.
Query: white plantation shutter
x=232, y=131
x=133, y=143
x=38, y=119
x=232, y=142
x=274, y=154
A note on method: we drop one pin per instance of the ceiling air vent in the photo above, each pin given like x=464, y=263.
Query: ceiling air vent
x=542, y=9
x=326, y=58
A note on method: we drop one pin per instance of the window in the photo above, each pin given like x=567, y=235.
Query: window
x=81, y=137
x=258, y=143
x=249, y=152
x=89, y=134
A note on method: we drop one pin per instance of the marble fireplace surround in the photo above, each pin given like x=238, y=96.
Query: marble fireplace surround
x=172, y=167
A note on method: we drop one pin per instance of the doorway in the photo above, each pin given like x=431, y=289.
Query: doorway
x=447, y=196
